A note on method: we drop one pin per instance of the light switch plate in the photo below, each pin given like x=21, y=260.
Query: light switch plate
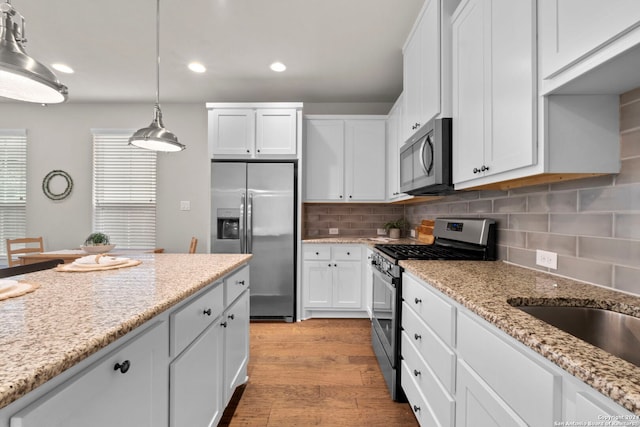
x=382, y=232
x=185, y=205
x=334, y=231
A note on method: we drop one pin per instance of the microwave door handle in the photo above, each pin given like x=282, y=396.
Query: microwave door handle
x=423, y=149
x=241, y=223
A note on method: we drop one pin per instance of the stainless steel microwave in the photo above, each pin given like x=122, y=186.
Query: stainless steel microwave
x=425, y=160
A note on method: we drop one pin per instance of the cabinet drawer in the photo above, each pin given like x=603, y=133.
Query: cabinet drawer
x=235, y=284
x=514, y=376
x=347, y=253
x=317, y=252
x=189, y=321
x=417, y=402
x=431, y=348
x=433, y=310
x=440, y=401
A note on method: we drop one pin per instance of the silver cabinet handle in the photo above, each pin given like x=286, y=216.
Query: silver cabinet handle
x=241, y=225
x=250, y=224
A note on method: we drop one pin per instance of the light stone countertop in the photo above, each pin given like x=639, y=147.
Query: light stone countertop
x=362, y=241
x=73, y=315
x=485, y=287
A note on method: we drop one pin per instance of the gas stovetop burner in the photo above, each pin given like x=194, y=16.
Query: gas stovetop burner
x=455, y=239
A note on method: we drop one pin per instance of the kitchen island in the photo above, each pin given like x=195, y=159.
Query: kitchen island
x=485, y=295
x=72, y=320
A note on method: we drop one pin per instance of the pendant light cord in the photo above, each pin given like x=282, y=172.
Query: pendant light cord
x=158, y=53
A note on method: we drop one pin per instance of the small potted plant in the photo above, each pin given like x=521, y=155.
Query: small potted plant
x=97, y=243
x=395, y=228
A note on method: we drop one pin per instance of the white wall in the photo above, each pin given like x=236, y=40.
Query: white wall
x=59, y=137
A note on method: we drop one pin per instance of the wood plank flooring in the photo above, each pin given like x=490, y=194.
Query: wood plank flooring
x=319, y=372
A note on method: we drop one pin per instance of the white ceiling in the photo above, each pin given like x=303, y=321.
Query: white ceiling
x=335, y=50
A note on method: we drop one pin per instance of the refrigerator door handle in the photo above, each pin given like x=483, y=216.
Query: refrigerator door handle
x=241, y=223
x=250, y=224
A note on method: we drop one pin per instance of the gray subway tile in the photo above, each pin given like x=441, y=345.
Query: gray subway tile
x=586, y=270
x=517, y=239
x=609, y=199
x=524, y=257
x=626, y=279
x=529, y=222
x=510, y=204
x=629, y=172
x=566, y=201
x=630, y=116
x=627, y=226
x=481, y=206
x=630, y=96
x=540, y=188
x=630, y=144
x=584, y=224
x=458, y=208
x=492, y=194
x=618, y=251
x=557, y=243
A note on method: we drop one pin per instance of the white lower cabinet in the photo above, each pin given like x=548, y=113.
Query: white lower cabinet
x=460, y=370
x=196, y=375
x=235, y=323
x=180, y=369
x=127, y=387
x=332, y=279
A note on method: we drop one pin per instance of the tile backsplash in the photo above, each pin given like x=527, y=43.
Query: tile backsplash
x=593, y=224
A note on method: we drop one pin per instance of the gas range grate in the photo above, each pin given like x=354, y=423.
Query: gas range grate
x=429, y=252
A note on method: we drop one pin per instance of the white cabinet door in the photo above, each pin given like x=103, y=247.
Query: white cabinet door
x=422, y=61
x=347, y=287
x=570, y=30
x=276, y=131
x=394, y=141
x=365, y=165
x=232, y=131
x=318, y=284
x=128, y=387
x=324, y=160
x=368, y=281
x=478, y=405
x=494, y=120
x=236, y=345
x=196, y=377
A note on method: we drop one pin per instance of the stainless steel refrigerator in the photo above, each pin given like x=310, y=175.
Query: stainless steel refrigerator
x=253, y=207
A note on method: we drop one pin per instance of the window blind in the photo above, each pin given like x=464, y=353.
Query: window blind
x=124, y=190
x=13, y=185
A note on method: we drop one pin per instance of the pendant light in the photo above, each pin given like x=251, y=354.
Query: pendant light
x=22, y=77
x=155, y=137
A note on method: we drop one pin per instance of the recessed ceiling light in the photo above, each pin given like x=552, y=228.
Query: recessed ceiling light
x=197, y=67
x=62, y=68
x=278, y=67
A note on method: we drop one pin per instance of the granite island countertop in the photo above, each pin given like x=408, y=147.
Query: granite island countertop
x=486, y=288
x=370, y=241
x=73, y=315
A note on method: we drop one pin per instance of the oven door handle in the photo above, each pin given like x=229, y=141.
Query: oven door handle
x=386, y=278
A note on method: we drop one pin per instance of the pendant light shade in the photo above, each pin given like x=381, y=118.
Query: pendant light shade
x=22, y=77
x=155, y=137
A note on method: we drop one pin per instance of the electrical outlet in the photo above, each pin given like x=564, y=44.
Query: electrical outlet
x=334, y=231
x=413, y=233
x=547, y=259
x=382, y=232
x=185, y=205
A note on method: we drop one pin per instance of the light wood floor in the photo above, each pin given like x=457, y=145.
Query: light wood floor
x=320, y=372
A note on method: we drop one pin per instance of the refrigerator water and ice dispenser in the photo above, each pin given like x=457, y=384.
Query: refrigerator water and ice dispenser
x=228, y=224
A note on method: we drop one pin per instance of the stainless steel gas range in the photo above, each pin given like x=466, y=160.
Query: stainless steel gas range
x=455, y=239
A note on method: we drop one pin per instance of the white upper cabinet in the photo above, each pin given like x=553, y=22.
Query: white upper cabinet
x=505, y=134
x=580, y=36
x=426, y=61
x=345, y=158
x=493, y=87
x=253, y=130
x=394, y=141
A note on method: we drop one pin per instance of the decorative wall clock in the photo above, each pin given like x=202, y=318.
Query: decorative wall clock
x=46, y=185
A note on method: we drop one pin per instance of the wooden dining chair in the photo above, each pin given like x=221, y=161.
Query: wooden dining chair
x=25, y=245
x=193, y=245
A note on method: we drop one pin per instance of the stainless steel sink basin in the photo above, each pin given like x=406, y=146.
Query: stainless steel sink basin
x=616, y=333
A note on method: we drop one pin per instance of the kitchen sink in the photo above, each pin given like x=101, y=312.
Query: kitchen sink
x=616, y=333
